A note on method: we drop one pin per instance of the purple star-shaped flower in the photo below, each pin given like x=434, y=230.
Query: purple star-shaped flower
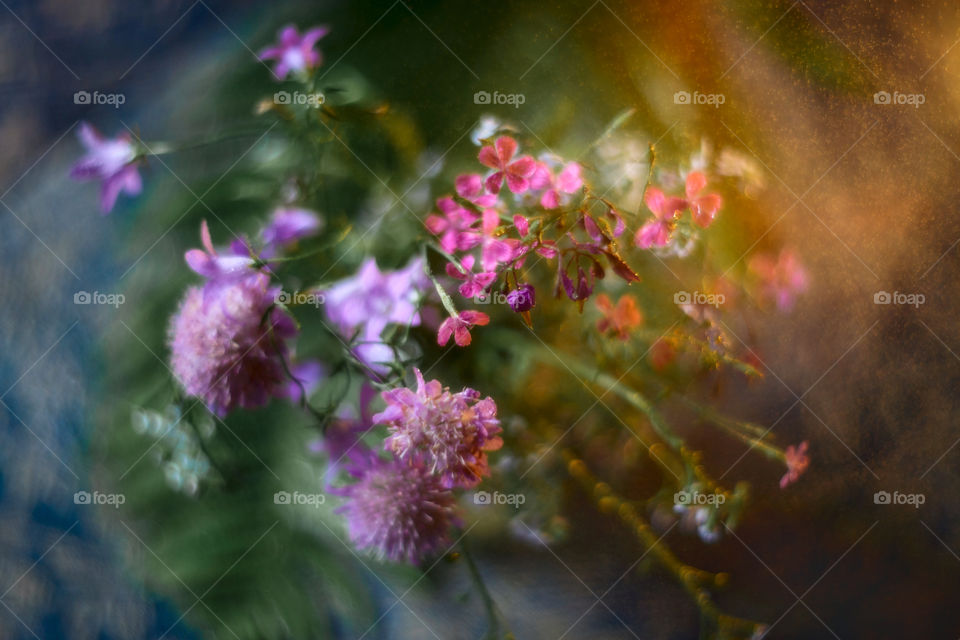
x=113, y=161
x=294, y=52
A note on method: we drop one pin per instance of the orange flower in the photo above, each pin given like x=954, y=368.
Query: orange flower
x=619, y=319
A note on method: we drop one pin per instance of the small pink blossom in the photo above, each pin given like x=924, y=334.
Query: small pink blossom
x=656, y=232
x=517, y=173
x=454, y=226
x=797, y=462
x=568, y=181
x=470, y=187
x=473, y=283
x=703, y=208
x=294, y=52
x=459, y=326
x=781, y=279
x=494, y=250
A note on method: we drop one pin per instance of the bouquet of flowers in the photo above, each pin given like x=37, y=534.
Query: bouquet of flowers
x=364, y=374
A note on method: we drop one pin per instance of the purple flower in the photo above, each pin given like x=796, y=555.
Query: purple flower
x=307, y=378
x=522, y=298
x=450, y=432
x=294, y=52
x=222, y=350
x=219, y=268
x=397, y=510
x=287, y=225
x=111, y=161
x=365, y=303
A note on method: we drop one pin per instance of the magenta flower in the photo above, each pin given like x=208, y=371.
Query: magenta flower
x=455, y=226
x=449, y=432
x=703, y=208
x=397, y=510
x=498, y=157
x=797, y=462
x=111, y=161
x=223, y=351
x=459, y=326
x=294, y=52
x=473, y=283
x=218, y=268
x=656, y=232
x=781, y=280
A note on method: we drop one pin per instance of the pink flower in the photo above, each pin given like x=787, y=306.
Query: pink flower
x=111, y=161
x=227, y=348
x=294, y=52
x=449, y=432
x=780, y=280
x=214, y=267
x=703, y=208
x=656, y=232
x=459, y=326
x=567, y=181
x=474, y=283
x=470, y=186
x=454, y=227
x=493, y=251
x=397, y=510
x=797, y=462
x=517, y=173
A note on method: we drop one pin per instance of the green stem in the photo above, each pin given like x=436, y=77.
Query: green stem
x=164, y=148
x=632, y=396
x=488, y=603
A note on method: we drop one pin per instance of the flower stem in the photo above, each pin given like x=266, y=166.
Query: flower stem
x=489, y=605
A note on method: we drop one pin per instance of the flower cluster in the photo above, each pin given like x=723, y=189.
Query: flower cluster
x=667, y=210
x=547, y=211
x=402, y=506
